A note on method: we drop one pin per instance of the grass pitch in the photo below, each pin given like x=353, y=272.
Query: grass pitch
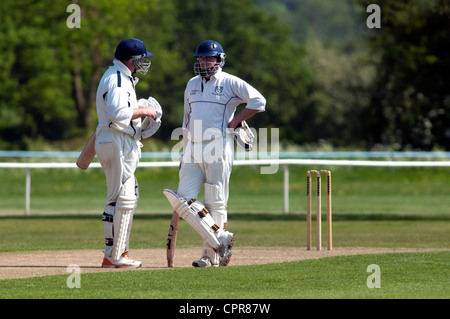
x=372, y=207
x=404, y=275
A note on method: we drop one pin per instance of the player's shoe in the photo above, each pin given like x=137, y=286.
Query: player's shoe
x=123, y=262
x=227, y=244
x=205, y=261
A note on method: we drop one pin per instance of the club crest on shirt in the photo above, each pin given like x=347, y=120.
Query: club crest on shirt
x=218, y=90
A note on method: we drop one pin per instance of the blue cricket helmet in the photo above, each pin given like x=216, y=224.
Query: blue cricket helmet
x=135, y=50
x=129, y=48
x=209, y=48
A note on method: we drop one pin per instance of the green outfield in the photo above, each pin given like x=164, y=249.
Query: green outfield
x=406, y=275
x=356, y=190
x=372, y=207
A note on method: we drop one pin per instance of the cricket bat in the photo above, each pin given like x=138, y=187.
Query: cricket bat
x=172, y=239
x=88, y=154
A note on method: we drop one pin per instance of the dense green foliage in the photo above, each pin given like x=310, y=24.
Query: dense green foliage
x=310, y=59
x=51, y=71
x=411, y=99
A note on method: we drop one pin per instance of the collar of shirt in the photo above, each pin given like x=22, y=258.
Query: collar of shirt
x=122, y=68
x=215, y=76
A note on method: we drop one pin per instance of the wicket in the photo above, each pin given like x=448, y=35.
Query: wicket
x=319, y=210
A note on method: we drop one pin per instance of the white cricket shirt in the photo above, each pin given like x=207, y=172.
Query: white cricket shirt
x=210, y=105
x=116, y=99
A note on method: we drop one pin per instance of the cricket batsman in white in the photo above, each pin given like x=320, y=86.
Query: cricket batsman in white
x=117, y=145
x=210, y=102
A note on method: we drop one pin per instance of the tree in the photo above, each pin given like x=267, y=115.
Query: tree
x=411, y=102
x=50, y=72
x=326, y=20
x=258, y=49
x=341, y=69
x=90, y=49
x=340, y=95
x=34, y=98
x=11, y=114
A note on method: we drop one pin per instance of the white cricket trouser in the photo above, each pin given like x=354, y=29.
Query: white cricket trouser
x=211, y=163
x=207, y=162
x=118, y=154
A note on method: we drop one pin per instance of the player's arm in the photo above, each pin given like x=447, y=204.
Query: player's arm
x=144, y=111
x=185, y=138
x=242, y=116
x=185, y=121
x=248, y=94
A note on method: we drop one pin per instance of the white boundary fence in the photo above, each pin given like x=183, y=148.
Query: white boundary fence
x=285, y=163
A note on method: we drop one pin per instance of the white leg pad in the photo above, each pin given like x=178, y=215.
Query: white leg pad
x=125, y=205
x=122, y=220
x=197, y=216
x=136, y=192
x=127, y=239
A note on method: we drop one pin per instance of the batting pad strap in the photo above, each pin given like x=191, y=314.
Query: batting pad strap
x=107, y=218
x=205, y=226
x=203, y=213
x=108, y=228
x=220, y=220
